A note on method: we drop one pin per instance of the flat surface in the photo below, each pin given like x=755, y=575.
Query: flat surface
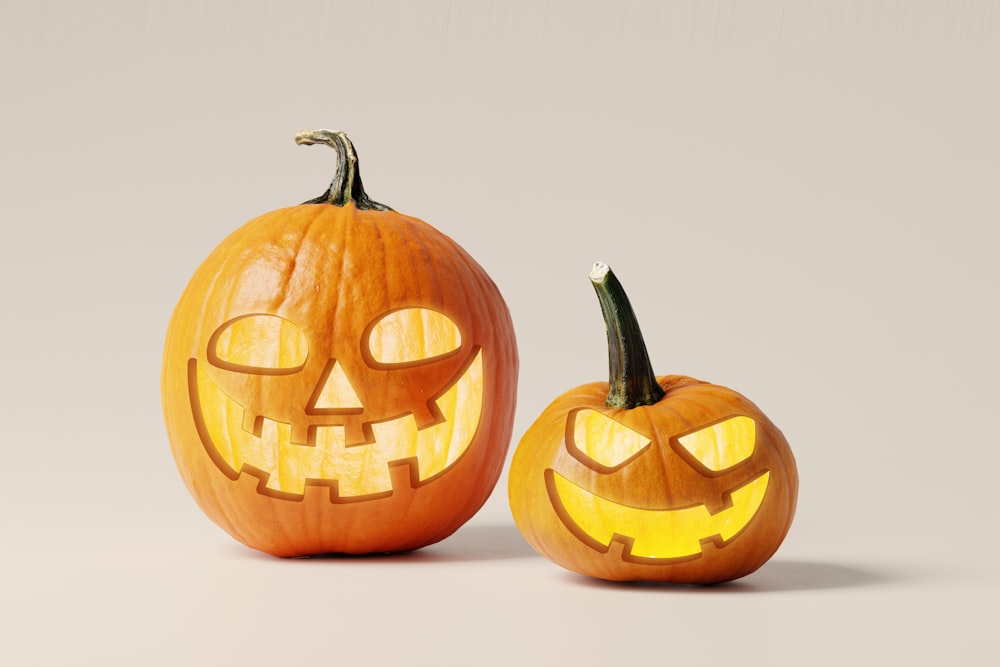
x=483, y=595
x=800, y=198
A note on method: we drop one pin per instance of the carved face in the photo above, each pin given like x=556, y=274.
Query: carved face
x=291, y=414
x=343, y=369
x=667, y=531
x=696, y=488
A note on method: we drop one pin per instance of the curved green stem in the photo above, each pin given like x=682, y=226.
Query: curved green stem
x=346, y=185
x=631, y=377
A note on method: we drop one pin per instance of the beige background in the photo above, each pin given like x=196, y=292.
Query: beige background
x=801, y=199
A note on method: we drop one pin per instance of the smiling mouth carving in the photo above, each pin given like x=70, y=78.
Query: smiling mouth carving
x=653, y=534
x=353, y=472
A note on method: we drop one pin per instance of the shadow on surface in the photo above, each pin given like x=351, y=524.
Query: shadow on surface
x=468, y=544
x=775, y=576
x=473, y=543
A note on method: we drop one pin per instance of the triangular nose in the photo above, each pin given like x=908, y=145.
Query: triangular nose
x=336, y=392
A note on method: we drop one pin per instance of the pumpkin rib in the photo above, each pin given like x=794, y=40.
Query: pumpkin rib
x=379, y=250
x=294, y=264
x=343, y=231
x=430, y=261
x=668, y=402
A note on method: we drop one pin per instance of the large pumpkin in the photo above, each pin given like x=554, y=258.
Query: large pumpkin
x=652, y=478
x=339, y=377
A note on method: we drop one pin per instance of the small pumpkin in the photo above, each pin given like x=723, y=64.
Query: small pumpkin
x=656, y=478
x=339, y=377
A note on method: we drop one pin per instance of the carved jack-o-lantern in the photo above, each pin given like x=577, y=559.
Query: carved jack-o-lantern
x=339, y=377
x=652, y=478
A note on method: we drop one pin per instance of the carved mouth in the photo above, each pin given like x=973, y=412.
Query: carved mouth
x=354, y=472
x=653, y=534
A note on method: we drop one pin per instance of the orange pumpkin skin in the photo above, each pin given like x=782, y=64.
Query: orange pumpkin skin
x=331, y=271
x=661, y=477
x=654, y=478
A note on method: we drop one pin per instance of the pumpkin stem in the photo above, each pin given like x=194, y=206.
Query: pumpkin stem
x=631, y=377
x=346, y=185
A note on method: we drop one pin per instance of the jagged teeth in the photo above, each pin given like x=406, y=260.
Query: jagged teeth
x=288, y=457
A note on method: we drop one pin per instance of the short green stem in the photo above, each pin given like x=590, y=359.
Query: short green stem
x=346, y=185
x=631, y=377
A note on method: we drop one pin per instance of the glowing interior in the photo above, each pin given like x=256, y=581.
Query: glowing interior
x=260, y=342
x=359, y=469
x=413, y=334
x=604, y=440
x=723, y=445
x=337, y=391
x=670, y=533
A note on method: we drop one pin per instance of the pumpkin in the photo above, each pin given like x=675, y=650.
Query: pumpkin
x=655, y=478
x=339, y=377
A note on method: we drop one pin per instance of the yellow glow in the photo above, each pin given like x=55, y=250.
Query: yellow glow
x=359, y=469
x=723, y=445
x=413, y=334
x=604, y=440
x=337, y=391
x=261, y=341
x=659, y=533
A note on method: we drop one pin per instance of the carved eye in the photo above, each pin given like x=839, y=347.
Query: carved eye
x=413, y=335
x=596, y=438
x=723, y=445
x=259, y=343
